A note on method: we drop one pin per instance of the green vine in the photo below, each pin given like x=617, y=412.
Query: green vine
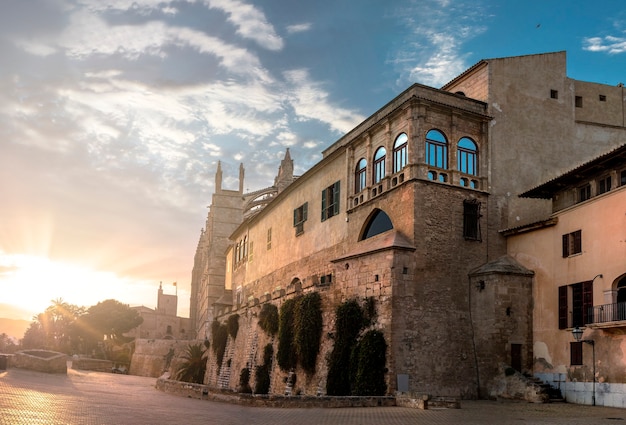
x=369, y=361
x=308, y=330
x=233, y=325
x=286, y=355
x=348, y=323
x=244, y=381
x=220, y=337
x=268, y=319
x=262, y=373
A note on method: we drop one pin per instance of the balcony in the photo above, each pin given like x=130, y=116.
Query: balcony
x=608, y=316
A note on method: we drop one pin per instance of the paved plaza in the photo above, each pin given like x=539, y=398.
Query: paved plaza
x=94, y=398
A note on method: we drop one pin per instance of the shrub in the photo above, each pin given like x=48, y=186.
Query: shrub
x=194, y=365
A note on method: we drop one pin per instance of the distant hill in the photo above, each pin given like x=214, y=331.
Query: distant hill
x=13, y=327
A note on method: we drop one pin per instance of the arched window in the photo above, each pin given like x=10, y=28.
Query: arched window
x=378, y=223
x=400, y=152
x=360, y=175
x=436, y=149
x=467, y=158
x=379, y=164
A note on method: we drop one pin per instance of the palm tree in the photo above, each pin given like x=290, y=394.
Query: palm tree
x=194, y=365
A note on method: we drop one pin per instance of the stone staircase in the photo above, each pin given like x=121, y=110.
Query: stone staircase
x=553, y=394
x=289, y=384
x=225, y=371
x=252, y=345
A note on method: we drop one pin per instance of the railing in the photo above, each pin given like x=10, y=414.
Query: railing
x=607, y=313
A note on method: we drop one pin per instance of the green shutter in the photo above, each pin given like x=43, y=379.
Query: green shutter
x=323, y=204
x=305, y=211
x=336, y=198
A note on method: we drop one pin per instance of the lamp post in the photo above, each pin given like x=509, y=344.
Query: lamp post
x=578, y=334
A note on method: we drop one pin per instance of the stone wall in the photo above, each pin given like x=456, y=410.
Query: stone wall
x=153, y=357
x=41, y=361
x=97, y=365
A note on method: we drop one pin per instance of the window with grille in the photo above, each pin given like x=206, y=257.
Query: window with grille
x=471, y=220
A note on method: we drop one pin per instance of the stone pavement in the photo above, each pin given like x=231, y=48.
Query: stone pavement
x=95, y=398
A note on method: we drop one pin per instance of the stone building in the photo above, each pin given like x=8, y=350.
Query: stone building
x=577, y=253
x=162, y=322
x=406, y=210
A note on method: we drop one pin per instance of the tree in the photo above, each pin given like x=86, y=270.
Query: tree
x=54, y=329
x=111, y=319
x=7, y=345
x=194, y=365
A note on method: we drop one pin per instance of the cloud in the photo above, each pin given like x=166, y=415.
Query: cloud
x=250, y=22
x=436, y=32
x=292, y=29
x=311, y=102
x=609, y=44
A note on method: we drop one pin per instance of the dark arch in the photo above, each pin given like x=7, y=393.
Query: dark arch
x=377, y=223
x=621, y=290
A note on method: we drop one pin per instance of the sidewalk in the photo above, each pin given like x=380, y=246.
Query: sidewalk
x=89, y=398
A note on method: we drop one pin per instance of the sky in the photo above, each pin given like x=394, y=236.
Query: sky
x=114, y=114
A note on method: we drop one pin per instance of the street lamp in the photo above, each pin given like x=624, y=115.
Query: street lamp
x=578, y=334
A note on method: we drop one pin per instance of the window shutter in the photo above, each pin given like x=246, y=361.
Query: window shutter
x=323, y=204
x=336, y=198
x=565, y=246
x=576, y=353
x=562, y=307
x=305, y=212
x=577, y=242
x=588, y=302
x=295, y=217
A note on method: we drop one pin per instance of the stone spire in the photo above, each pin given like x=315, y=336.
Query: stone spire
x=285, y=173
x=218, y=177
x=242, y=172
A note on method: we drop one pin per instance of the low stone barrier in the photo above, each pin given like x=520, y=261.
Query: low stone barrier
x=203, y=392
x=96, y=365
x=41, y=361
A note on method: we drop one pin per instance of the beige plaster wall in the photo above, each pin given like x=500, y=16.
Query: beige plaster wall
x=602, y=221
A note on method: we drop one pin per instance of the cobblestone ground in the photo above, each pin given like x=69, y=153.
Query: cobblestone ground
x=93, y=398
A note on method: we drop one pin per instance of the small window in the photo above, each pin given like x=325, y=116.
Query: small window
x=554, y=94
x=604, y=185
x=269, y=238
x=379, y=164
x=622, y=178
x=602, y=98
x=576, y=353
x=299, y=217
x=400, y=152
x=572, y=243
x=360, y=175
x=578, y=100
x=250, y=251
x=330, y=201
x=584, y=193
x=471, y=220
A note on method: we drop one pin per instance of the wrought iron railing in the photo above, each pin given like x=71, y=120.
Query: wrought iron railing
x=607, y=313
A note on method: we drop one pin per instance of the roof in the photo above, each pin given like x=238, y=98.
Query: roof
x=611, y=159
x=391, y=239
x=503, y=265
